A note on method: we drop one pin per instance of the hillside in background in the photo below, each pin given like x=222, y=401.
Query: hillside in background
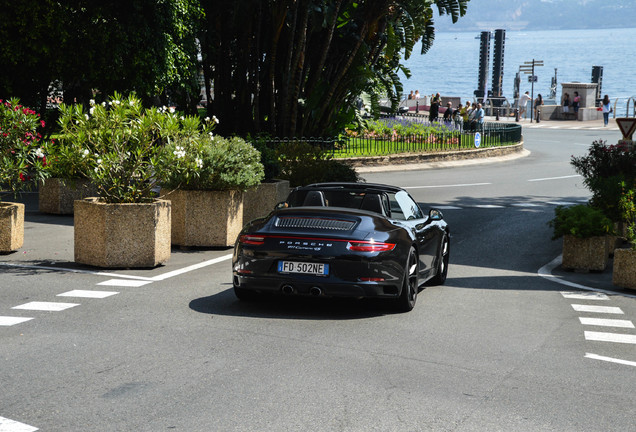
x=542, y=15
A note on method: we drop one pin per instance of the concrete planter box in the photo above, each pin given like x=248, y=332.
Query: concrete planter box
x=11, y=227
x=57, y=196
x=205, y=218
x=624, y=271
x=262, y=199
x=586, y=254
x=122, y=235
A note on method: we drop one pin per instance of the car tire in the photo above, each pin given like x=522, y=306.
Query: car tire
x=442, y=262
x=408, y=296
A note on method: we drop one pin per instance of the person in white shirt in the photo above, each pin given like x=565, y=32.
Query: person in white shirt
x=523, y=104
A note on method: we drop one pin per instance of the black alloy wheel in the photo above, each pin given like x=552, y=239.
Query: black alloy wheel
x=442, y=262
x=408, y=296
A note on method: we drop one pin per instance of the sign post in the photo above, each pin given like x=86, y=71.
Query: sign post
x=528, y=69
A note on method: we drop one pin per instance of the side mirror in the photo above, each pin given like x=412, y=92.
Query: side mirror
x=435, y=214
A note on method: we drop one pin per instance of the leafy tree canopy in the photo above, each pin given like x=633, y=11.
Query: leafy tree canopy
x=297, y=67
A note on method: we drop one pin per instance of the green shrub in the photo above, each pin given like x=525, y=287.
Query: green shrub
x=204, y=162
x=22, y=156
x=604, y=168
x=580, y=221
x=302, y=163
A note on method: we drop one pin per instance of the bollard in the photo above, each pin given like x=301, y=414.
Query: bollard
x=497, y=114
x=417, y=107
x=517, y=114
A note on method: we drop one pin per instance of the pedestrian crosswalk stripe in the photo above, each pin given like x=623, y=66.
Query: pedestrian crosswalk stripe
x=584, y=295
x=8, y=425
x=46, y=306
x=88, y=294
x=597, y=309
x=9, y=321
x=610, y=337
x=606, y=322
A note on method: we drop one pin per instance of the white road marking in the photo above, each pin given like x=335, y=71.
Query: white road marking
x=46, y=306
x=191, y=268
x=9, y=321
x=597, y=309
x=449, y=185
x=606, y=322
x=610, y=337
x=546, y=273
x=8, y=425
x=448, y=207
x=124, y=283
x=554, y=178
x=88, y=294
x=527, y=205
x=610, y=359
x=488, y=206
x=584, y=295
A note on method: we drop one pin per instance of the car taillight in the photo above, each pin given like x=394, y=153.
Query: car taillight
x=252, y=239
x=369, y=246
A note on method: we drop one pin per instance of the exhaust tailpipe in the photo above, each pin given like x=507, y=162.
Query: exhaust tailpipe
x=315, y=291
x=287, y=289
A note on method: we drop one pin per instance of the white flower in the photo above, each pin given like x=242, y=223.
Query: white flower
x=179, y=152
x=131, y=103
x=171, y=110
x=199, y=163
x=116, y=102
x=211, y=135
x=103, y=104
x=85, y=153
x=39, y=153
x=91, y=110
x=215, y=120
x=92, y=102
x=99, y=161
x=86, y=116
x=207, y=119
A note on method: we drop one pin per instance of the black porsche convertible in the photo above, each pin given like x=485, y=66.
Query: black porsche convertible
x=343, y=240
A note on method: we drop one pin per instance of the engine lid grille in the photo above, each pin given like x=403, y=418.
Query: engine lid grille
x=314, y=223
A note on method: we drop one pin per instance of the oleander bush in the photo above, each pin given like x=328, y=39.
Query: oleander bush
x=22, y=150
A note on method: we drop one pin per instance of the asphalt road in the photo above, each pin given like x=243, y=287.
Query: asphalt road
x=498, y=348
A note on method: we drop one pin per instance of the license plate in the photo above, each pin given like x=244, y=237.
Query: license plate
x=317, y=269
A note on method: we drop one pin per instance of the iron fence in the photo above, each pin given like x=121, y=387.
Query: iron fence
x=490, y=135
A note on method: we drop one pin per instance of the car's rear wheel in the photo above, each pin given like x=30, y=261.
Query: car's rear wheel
x=442, y=262
x=408, y=296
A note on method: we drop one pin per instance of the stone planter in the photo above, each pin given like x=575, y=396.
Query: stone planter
x=205, y=218
x=57, y=196
x=11, y=226
x=262, y=199
x=624, y=271
x=122, y=235
x=586, y=254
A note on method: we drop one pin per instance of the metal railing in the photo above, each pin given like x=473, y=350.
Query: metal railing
x=490, y=135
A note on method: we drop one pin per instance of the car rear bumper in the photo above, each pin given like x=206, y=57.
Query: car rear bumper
x=316, y=286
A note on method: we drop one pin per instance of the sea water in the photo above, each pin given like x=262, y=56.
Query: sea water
x=451, y=66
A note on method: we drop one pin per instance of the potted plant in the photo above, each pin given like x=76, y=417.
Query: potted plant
x=126, y=226
x=624, y=270
x=67, y=167
x=584, y=230
x=22, y=162
x=605, y=168
x=204, y=176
